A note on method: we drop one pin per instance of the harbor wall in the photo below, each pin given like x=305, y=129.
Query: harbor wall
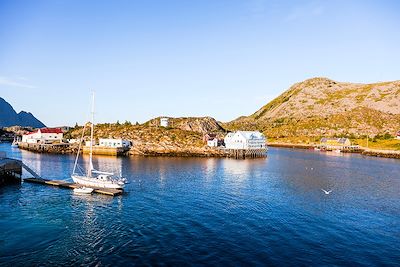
x=382, y=153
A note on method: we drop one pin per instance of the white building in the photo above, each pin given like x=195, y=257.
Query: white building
x=245, y=140
x=114, y=142
x=87, y=143
x=43, y=136
x=212, y=142
x=164, y=122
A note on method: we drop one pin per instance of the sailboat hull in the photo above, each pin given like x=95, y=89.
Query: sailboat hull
x=94, y=182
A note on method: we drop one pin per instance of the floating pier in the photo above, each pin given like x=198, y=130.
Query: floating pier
x=64, y=184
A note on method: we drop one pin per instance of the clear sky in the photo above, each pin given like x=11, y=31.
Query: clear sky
x=185, y=58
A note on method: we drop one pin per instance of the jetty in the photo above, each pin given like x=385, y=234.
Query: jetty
x=10, y=170
x=11, y=173
x=67, y=185
x=66, y=148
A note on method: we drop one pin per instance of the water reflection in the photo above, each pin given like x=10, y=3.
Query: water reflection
x=209, y=167
x=209, y=212
x=241, y=170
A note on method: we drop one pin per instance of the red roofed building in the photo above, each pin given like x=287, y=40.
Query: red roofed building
x=43, y=136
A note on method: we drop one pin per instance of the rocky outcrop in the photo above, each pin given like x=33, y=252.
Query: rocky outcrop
x=151, y=140
x=195, y=124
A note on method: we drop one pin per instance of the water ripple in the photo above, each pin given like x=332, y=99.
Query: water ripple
x=209, y=212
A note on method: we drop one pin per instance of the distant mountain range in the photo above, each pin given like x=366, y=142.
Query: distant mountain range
x=323, y=107
x=9, y=117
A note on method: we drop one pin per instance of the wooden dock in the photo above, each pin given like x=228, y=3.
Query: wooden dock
x=10, y=171
x=64, y=184
x=245, y=153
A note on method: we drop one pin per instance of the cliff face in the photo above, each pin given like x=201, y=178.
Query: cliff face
x=8, y=117
x=320, y=106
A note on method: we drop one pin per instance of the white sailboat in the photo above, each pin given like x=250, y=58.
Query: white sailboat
x=95, y=178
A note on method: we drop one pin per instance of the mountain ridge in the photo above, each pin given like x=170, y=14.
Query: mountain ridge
x=9, y=117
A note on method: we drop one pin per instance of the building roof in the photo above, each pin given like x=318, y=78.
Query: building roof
x=251, y=134
x=247, y=134
x=47, y=130
x=210, y=136
x=51, y=130
x=338, y=140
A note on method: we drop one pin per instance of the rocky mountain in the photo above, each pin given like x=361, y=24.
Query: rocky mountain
x=195, y=124
x=9, y=117
x=323, y=107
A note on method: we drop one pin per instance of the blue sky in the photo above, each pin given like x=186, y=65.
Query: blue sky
x=185, y=58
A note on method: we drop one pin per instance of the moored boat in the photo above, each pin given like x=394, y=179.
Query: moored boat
x=83, y=190
x=95, y=178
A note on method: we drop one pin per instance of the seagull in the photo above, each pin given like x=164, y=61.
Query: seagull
x=326, y=192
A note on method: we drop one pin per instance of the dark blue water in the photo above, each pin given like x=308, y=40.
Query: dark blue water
x=188, y=211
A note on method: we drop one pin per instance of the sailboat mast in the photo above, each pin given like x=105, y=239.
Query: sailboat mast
x=91, y=138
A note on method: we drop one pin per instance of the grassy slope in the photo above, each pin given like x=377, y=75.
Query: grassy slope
x=157, y=138
x=309, y=129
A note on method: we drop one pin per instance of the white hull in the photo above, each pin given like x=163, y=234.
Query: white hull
x=95, y=182
x=83, y=190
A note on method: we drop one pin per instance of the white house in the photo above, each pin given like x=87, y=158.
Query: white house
x=212, y=142
x=245, y=140
x=43, y=136
x=164, y=122
x=87, y=143
x=114, y=142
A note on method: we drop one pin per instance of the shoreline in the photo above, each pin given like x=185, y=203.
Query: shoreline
x=71, y=149
x=363, y=150
x=202, y=152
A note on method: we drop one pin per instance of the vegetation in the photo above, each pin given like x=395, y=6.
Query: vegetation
x=321, y=107
x=149, y=138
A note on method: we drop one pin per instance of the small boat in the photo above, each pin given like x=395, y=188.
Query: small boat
x=337, y=151
x=83, y=190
